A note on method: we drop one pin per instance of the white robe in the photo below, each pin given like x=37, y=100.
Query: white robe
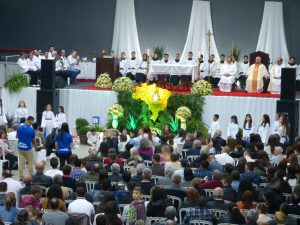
x=243, y=67
x=124, y=66
x=212, y=68
x=48, y=122
x=143, y=68
x=225, y=83
x=232, y=130
x=263, y=132
x=60, y=118
x=133, y=65
x=283, y=135
x=215, y=125
x=248, y=130
x=3, y=119
x=218, y=69
x=190, y=62
x=275, y=79
x=276, y=126
x=21, y=112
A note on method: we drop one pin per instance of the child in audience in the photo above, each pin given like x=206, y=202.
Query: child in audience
x=48, y=120
x=284, y=128
x=233, y=127
x=248, y=128
x=93, y=137
x=264, y=128
x=21, y=111
x=60, y=117
x=276, y=124
x=139, y=204
x=215, y=125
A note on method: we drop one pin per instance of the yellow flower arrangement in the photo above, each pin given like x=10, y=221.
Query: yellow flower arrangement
x=123, y=84
x=116, y=110
x=103, y=81
x=202, y=87
x=156, y=98
x=182, y=113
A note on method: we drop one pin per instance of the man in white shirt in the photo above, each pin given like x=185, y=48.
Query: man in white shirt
x=210, y=70
x=73, y=61
x=123, y=64
x=81, y=205
x=54, y=171
x=37, y=59
x=218, y=68
x=275, y=77
x=292, y=64
x=12, y=184
x=228, y=75
x=26, y=68
x=224, y=157
x=30, y=62
x=190, y=60
x=133, y=65
x=50, y=53
x=243, y=67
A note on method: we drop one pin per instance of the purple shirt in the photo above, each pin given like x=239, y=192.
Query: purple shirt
x=146, y=154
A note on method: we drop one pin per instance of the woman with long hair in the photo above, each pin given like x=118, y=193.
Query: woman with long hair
x=188, y=176
x=264, y=129
x=247, y=201
x=21, y=111
x=233, y=127
x=192, y=196
x=272, y=143
x=270, y=200
x=248, y=127
x=158, y=202
x=64, y=143
x=180, y=137
x=60, y=116
x=8, y=153
x=291, y=177
x=111, y=214
x=245, y=185
x=284, y=129
x=54, y=191
x=8, y=212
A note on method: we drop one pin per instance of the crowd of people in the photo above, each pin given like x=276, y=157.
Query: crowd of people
x=131, y=177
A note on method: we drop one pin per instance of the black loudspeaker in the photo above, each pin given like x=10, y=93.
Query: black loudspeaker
x=292, y=109
x=45, y=97
x=47, y=74
x=288, y=84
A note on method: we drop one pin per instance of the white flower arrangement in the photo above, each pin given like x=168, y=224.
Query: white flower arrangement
x=182, y=113
x=202, y=87
x=103, y=81
x=123, y=84
x=116, y=110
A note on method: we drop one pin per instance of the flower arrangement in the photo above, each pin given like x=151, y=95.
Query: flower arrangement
x=123, y=84
x=202, y=87
x=103, y=81
x=116, y=110
x=182, y=113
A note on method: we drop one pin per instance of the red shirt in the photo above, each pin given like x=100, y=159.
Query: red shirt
x=211, y=184
x=118, y=161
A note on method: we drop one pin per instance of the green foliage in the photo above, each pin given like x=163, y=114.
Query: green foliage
x=81, y=122
x=235, y=52
x=97, y=128
x=160, y=50
x=16, y=82
x=174, y=124
x=132, y=123
x=83, y=130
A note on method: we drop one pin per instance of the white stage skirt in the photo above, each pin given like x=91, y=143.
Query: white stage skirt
x=89, y=103
x=87, y=70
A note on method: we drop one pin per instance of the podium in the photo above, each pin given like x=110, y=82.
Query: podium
x=108, y=65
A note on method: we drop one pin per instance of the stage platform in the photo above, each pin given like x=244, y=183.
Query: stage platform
x=80, y=102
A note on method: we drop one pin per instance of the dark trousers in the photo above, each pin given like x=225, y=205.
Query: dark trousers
x=266, y=83
x=297, y=85
x=131, y=76
x=141, y=78
x=242, y=80
x=175, y=79
x=34, y=76
x=63, y=158
x=13, y=161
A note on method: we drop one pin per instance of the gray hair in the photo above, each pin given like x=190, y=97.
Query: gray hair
x=197, y=144
x=170, y=212
x=218, y=193
x=217, y=175
x=144, y=143
x=218, y=133
x=176, y=179
x=115, y=168
x=140, y=168
x=147, y=174
x=169, y=171
x=251, y=216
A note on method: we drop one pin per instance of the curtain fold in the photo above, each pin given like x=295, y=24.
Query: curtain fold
x=200, y=24
x=272, y=36
x=125, y=38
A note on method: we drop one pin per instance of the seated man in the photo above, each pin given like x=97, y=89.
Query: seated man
x=175, y=78
x=142, y=71
x=33, y=199
x=39, y=178
x=218, y=200
x=275, y=77
x=228, y=72
x=73, y=61
x=210, y=67
x=30, y=69
x=123, y=64
x=133, y=65
x=243, y=67
x=257, y=76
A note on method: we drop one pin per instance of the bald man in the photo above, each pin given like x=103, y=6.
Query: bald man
x=40, y=178
x=27, y=180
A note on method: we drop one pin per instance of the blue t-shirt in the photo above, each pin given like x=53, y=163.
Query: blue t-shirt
x=8, y=216
x=25, y=136
x=63, y=144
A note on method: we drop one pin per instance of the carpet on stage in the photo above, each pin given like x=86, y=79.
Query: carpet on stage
x=216, y=92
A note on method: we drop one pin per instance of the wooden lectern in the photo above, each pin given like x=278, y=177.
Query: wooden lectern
x=108, y=65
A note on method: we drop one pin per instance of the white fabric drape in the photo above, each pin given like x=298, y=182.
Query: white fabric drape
x=272, y=36
x=125, y=38
x=200, y=24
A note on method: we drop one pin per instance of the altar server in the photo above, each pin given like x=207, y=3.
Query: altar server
x=37, y=59
x=60, y=117
x=142, y=71
x=243, y=67
x=123, y=64
x=164, y=77
x=73, y=61
x=3, y=119
x=133, y=65
x=218, y=68
x=48, y=120
x=284, y=128
x=248, y=127
x=228, y=72
x=24, y=67
x=154, y=60
x=50, y=52
x=264, y=129
x=257, y=77
x=275, y=77
x=21, y=111
x=30, y=62
x=175, y=78
x=292, y=64
x=190, y=60
x=210, y=69
x=215, y=125
x=233, y=127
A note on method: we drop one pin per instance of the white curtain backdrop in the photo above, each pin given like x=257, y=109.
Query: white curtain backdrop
x=200, y=24
x=125, y=38
x=272, y=36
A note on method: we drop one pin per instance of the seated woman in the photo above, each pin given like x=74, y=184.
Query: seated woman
x=282, y=216
x=192, y=196
x=233, y=216
x=165, y=154
x=262, y=210
x=8, y=153
x=174, y=163
x=247, y=201
x=188, y=176
x=158, y=202
x=8, y=212
x=54, y=191
x=145, y=151
x=228, y=72
x=294, y=207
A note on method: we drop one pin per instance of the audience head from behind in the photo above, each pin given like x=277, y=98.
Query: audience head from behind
x=147, y=174
x=158, y=193
x=226, y=180
x=54, y=204
x=184, y=163
x=169, y=171
x=67, y=170
x=101, y=220
x=218, y=193
x=103, y=175
x=192, y=195
x=175, y=157
x=72, y=221
x=3, y=187
x=176, y=179
x=228, y=168
x=170, y=213
x=201, y=202
x=55, y=191
x=156, y=159
x=115, y=168
x=188, y=174
x=197, y=144
x=189, y=137
x=123, y=138
x=36, y=191
x=54, y=162
x=140, y=169
x=40, y=167
x=7, y=174
x=22, y=217
x=57, y=179
x=251, y=216
x=80, y=192
x=10, y=201
x=217, y=175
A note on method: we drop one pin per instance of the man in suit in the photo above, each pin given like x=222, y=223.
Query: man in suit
x=40, y=178
x=218, y=200
x=175, y=188
x=68, y=181
x=156, y=168
x=167, y=179
x=229, y=193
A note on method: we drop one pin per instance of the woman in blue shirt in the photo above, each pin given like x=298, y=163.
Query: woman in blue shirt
x=64, y=143
x=8, y=212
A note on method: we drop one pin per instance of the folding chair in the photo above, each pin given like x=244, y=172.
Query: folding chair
x=200, y=222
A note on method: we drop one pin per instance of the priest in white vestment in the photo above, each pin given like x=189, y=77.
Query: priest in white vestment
x=275, y=77
x=255, y=76
x=218, y=69
x=228, y=73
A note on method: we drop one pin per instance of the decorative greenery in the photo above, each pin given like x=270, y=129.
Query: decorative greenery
x=123, y=84
x=174, y=124
x=132, y=123
x=83, y=130
x=97, y=128
x=116, y=109
x=202, y=87
x=235, y=52
x=182, y=113
x=103, y=81
x=16, y=82
x=81, y=122
x=160, y=50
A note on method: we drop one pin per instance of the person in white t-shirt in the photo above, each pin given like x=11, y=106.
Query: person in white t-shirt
x=233, y=127
x=215, y=125
x=73, y=61
x=60, y=117
x=54, y=171
x=26, y=68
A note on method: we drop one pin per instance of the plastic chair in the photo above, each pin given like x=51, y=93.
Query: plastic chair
x=146, y=198
x=191, y=158
x=2, y=161
x=182, y=213
x=219, y=212
x=200, y=222
x=152, y=220
x=90, y=185
x=209, y=192
x=176, y=201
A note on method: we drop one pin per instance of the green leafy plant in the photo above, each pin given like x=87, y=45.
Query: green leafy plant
x=81, y=122
x=97, y=128
x=160, y=50
x=83, y=130
x=16, y=82
x=174, y=125
x=132, y=123
x=235, y=52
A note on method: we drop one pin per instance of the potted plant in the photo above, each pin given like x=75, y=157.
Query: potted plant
x=16, y=82
x=182, y=113
x=82, y=134
x=81, y=122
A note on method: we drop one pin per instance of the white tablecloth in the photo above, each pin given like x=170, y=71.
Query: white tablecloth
x=88, y=70
x=175, y=69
